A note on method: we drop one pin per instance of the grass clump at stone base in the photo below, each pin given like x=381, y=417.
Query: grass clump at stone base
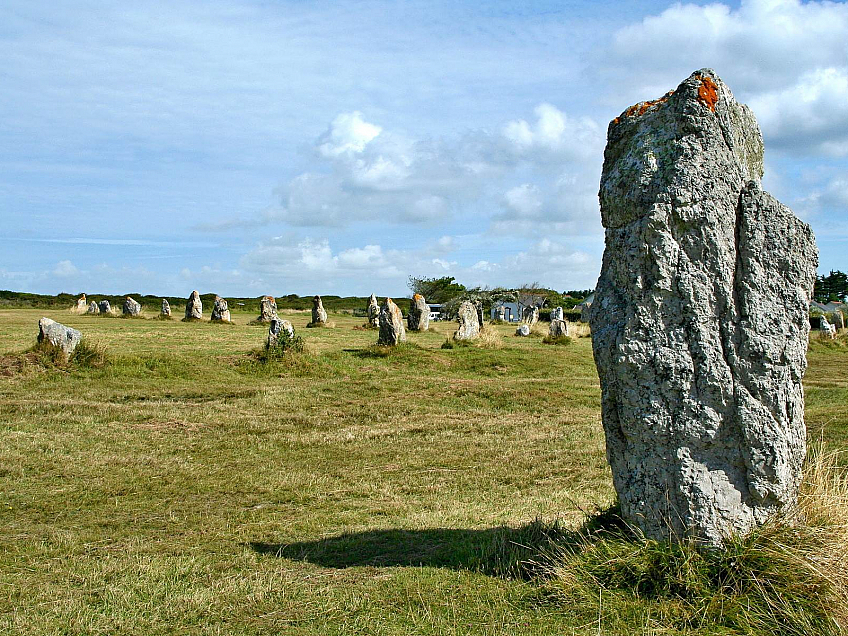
x=562, y=340
x=87, y=354
x=788, y=577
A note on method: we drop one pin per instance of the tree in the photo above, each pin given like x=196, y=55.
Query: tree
x=436, y=290
x=834, y=286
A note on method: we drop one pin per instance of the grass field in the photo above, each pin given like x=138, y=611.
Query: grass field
x=187, y=489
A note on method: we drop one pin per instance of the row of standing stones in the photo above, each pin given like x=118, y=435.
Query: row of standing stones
x=700, y=321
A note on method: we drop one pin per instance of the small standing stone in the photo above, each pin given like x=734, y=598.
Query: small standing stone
x=391, y=325
x=58, y=335
x=827, y=329
x=276, y=327
x=82, y=305
x=530, y=315
x=92, y=308
x=194, y=307
x=220, y=310
x=558, y=328
x=838, y=320
x=419, y=314
x=523, y=330
x=479, y=306
x=557, y=314
x=166, y=308
x=469, y=324
x=373, y=312
x=500, y=313
x=105, y=307
x=267, y=309
x=319, y=315
x=131, y=307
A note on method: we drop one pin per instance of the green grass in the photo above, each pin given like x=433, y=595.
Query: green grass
x=184, y=486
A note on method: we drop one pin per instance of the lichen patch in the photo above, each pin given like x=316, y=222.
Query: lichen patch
x=708, y=92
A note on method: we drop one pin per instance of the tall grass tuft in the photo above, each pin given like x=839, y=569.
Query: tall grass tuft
x=90, y=354
x=788, y=577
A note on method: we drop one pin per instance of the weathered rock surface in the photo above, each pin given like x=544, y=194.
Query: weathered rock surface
x=93, y=308
x=837, y=320
x=82, y=305
x=699, y=322
x=500, y=313
x=58, y=335
x=194, y=307
x=267, y=309
x=391, y=324
x=523, y=330
x=276, y=327
x=166, y=307
x=469, y=324
x=558, y=328
x=131, y=307
x=104, y=307
x=220, y=310
x=479, y=307
x=319, y=316
x=373, y=312
x=556, y=314
x=418, y=317
x=826, y=328
x=530, y=315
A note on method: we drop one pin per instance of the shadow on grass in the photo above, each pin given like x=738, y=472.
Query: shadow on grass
x=523, y=552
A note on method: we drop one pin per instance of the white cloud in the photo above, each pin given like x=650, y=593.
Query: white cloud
x=348, y=133
x=554, y=136
x=524, y=199
x=811, y=115
x=65, y=269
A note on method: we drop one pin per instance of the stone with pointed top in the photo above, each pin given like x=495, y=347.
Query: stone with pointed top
x=166, y=308
x=700, y=319
x=418, y=317
x=319, y=315
x=194, y=307
x=392, y=331
x=131, y=307
x=373, y=312
x=469, y=323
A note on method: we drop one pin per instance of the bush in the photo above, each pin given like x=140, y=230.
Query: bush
x=557, y=340
x=286, y=343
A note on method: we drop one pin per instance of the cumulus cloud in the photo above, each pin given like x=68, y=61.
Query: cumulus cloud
x=65, y=269
x=809, y=116
x=367, y=174
x=348, y=133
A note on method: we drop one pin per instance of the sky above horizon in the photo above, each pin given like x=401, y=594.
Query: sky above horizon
x=246, y=148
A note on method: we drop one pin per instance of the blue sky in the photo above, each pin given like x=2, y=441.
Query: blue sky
x=335, y=147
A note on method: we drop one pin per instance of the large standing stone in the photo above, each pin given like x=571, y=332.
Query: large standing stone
x=530, y=315
x=469, y=324
x=391, y=324
x=82, y=305
x=194, y=307
x=276, y=327
x=319, y=316
x=699, y=324
x=92, y=308
x=419, y=314
x=267, y=309
x=58, y=335
x=558, y=328
x=104, y=307
x=373, y=312
x=166, y=308
x=557, y=314
x=220, y=310
x=131, y=307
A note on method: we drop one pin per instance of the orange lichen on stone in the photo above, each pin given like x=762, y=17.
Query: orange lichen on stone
x=641, y=108
x=417, y=297
x=708, y=93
